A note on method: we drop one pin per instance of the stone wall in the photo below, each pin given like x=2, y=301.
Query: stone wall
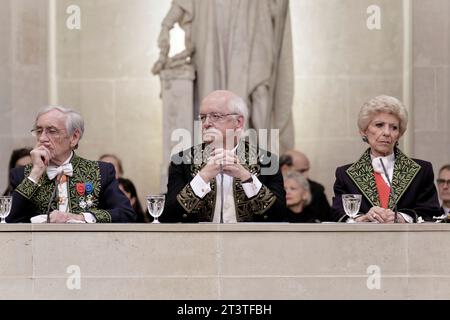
x=431, y=81
x=103, y=70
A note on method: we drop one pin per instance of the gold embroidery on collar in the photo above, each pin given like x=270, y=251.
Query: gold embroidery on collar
x=361, y=173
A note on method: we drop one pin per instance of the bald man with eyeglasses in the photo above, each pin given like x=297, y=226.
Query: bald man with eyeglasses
x=225, y=179
x=443, y=184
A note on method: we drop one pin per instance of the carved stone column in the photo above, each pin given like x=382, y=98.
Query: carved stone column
x=177, y=92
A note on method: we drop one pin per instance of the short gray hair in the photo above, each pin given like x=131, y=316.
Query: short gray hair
x=237, y=105
x=74, y=120
x=301, y=181
x=383, y=104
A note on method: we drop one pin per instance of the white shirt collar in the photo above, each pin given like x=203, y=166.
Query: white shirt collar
x=69, y=158
x=388, y=162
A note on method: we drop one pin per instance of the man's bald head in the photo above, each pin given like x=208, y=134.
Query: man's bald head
x=222, y=114
x=227, y=102
x=300, y=162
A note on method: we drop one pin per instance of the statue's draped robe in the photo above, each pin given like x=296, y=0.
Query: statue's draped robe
x=245, y=46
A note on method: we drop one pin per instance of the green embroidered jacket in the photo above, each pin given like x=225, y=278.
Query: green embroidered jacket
x=109, y=204
x=183, y=205
x=413, y=190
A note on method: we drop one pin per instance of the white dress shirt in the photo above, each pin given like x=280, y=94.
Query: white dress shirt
x=63, y=201
x=389, y=162
x=201, y=188
x=446, y=210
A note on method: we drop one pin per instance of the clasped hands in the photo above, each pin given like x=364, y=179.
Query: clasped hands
x=59, y=217
x=64, y=217
x=226, y=160
x=380, y=215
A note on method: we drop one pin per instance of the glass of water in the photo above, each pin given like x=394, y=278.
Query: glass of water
x=5, y=207
x=155, y=205
x=351, y=203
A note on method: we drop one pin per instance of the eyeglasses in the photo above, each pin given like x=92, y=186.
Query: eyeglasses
x=50, y=132
x=443, y=182
x=215, y=117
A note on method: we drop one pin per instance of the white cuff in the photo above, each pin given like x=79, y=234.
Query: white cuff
x=252, y=189
x=407, y=218
x=32, y=180
x=199, y=186
x=89, y=217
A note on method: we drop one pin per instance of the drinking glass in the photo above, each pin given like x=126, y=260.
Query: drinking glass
x=351, y=203
x=155, y=205
x=5, y=207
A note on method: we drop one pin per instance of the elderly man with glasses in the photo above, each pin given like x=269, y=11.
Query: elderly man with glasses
x=61, y=187
x=225, y=179
x=443, y=184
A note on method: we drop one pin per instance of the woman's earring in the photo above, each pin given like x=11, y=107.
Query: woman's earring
x=364, y=138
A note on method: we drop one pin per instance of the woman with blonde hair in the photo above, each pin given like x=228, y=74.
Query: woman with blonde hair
x=394, y=187
x=298, y=198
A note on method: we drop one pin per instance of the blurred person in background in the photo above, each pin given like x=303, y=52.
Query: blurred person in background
x=443, y=183
x=129, y=190
x=19, y=158
x=298, y=199
x=115, y=161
